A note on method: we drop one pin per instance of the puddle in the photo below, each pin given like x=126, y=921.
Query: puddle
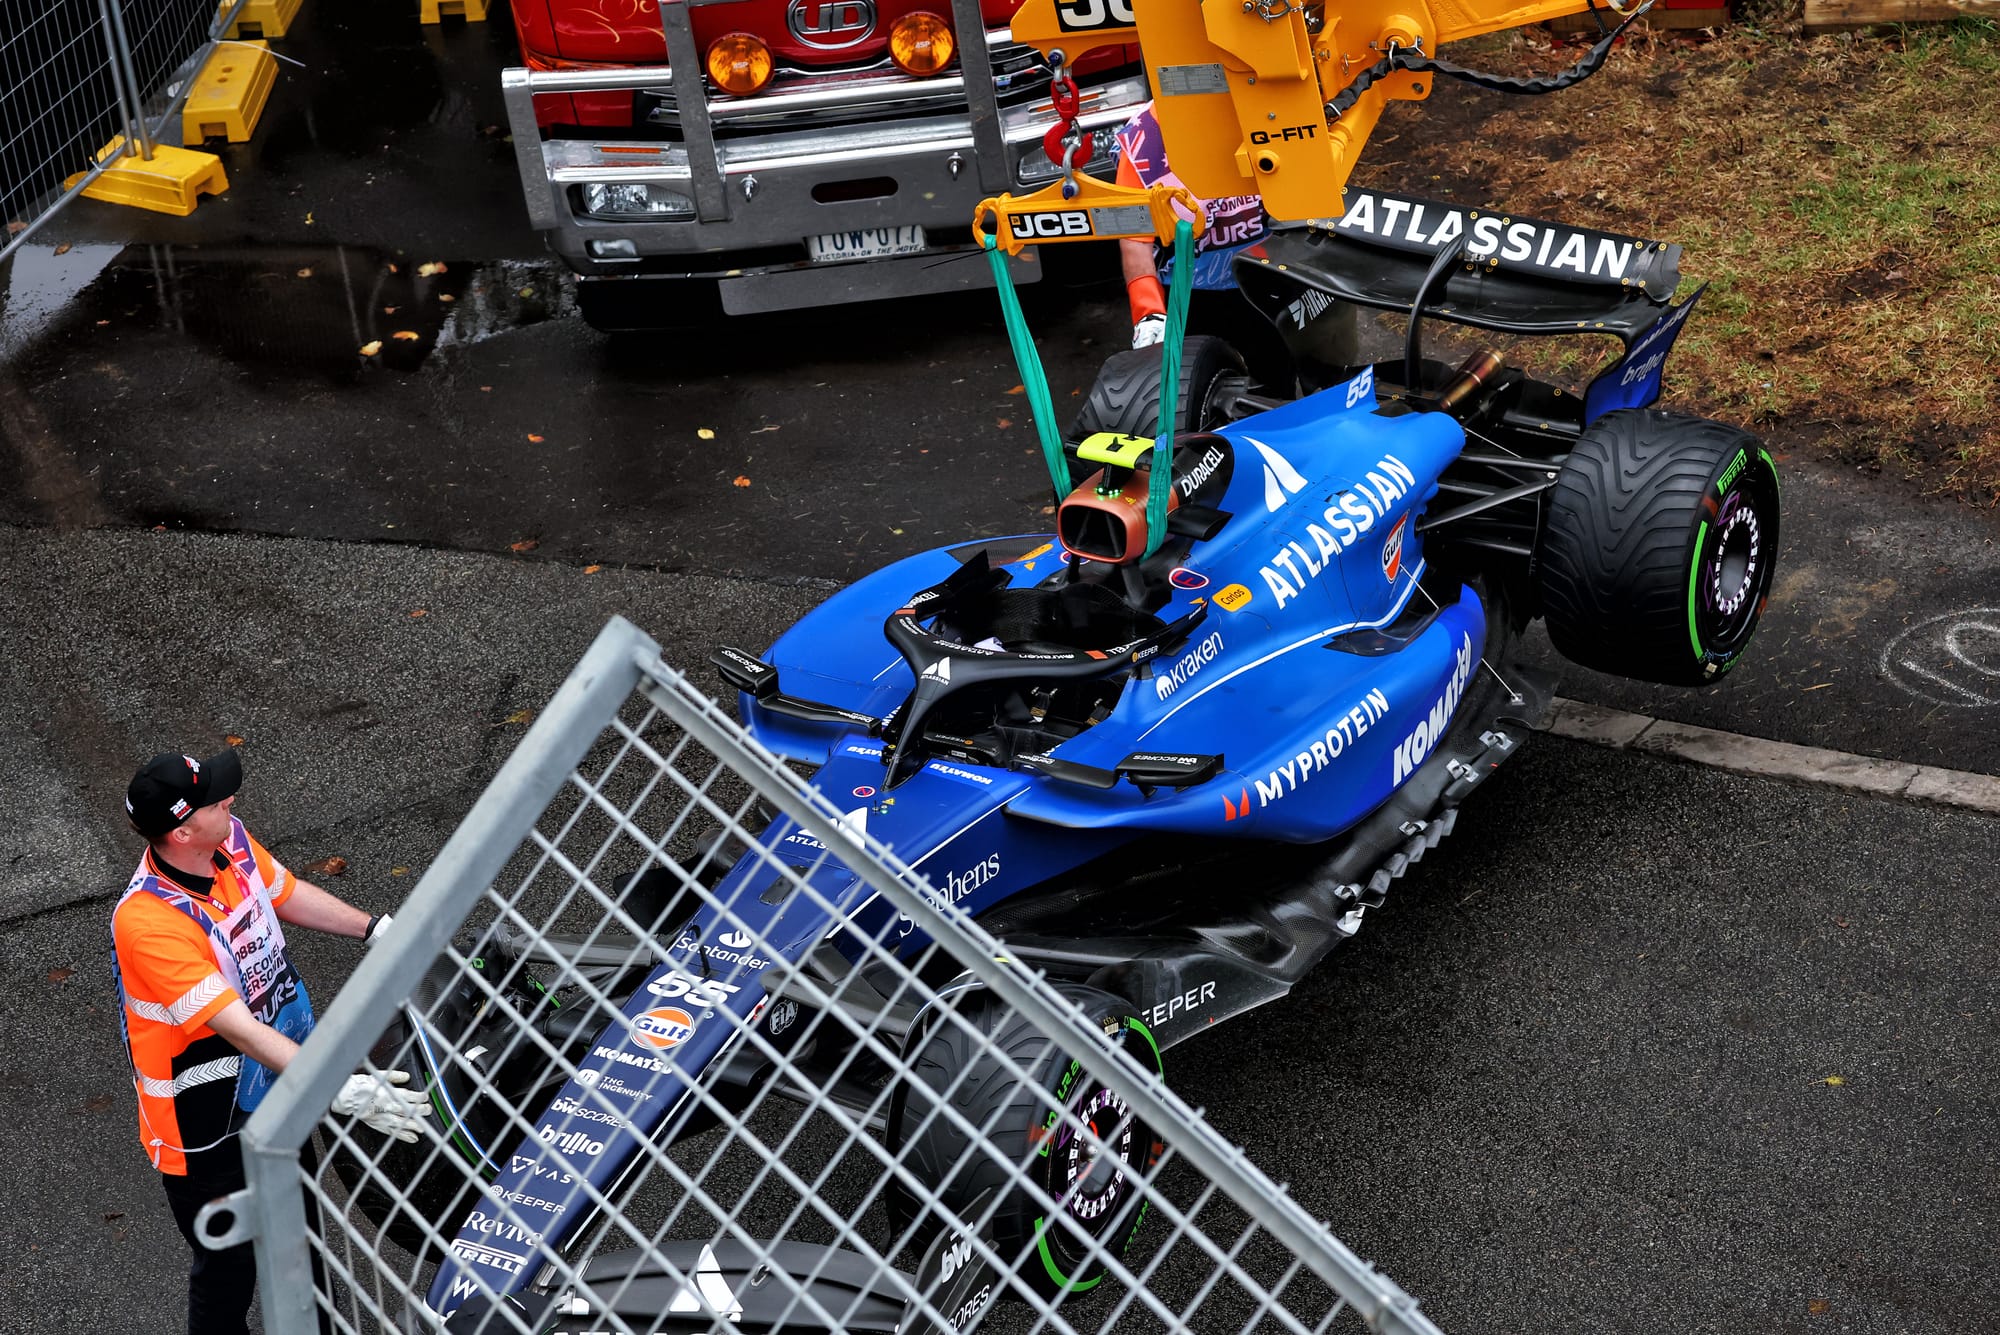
x=38, y=283
x=279, y=310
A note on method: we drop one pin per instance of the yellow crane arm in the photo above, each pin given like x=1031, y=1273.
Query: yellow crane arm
x=1241, y=87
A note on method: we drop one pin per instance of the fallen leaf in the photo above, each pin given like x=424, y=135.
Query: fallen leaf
x=524, y=545
x=421, y=612
x=110, y=1215
x=1818, y=1307
x=703, y=433
x=333, y=866
x=309, y=219
x=391, y=310
x=370, y=348
x=1841, y=922
x=394, y=269
x=306, y=272
x=233, y=740
x=521, y=716
x=1004, y=423
x=102, y=323
x=62, y=975
x=399, y=871
x=406, y=335
x=430, y=270
x=15, y=227
x=592, y=570
x=742, y=481
x=1018, y=389
x=898, y=532
x=534, y=439
x=527, y=292
x=97, y=1103
x=1833, y=1080
x=63, y=249
x=446, y=296
x=486, y=389
x=1048, y=509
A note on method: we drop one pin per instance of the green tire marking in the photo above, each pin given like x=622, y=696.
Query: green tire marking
x=1772, y=465
x=1147, y=1034
x=1049, y=1263
x=1694, y=570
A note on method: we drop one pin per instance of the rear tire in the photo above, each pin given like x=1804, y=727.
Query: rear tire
x=1107, y=1209
x=1658, y=548
x=1126, y=397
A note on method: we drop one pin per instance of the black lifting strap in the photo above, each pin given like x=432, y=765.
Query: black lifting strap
x=1400, y=59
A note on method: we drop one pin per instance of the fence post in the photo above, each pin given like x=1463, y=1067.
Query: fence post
x=127, y=78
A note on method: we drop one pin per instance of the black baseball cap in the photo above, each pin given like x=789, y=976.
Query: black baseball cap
x=171, y=787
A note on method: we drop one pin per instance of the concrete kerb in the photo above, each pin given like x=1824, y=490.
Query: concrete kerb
x=1621, y=731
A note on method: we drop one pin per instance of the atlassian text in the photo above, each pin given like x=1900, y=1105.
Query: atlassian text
x=1353, y=513
x=1555, y=247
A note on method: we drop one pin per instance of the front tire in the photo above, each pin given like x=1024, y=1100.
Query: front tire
x=1104, y=1206
x=1126, y=397
x=1658, y=547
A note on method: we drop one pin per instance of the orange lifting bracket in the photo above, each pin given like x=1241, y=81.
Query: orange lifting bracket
x=1241, y=87
x=1087, y=210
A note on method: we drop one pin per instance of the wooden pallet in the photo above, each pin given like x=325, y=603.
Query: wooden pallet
x=1847, y=15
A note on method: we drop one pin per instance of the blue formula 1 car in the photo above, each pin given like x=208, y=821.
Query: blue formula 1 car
x=1081, y=737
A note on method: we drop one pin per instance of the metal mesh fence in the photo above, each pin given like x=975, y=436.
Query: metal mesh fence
x=77, y=74
x=702, y=1055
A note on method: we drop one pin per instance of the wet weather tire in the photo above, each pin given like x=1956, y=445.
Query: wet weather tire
x=1658, y=548
x=960, y=1065
x=1126, y=397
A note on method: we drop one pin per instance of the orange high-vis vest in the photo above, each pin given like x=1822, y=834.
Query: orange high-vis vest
x=171, y=983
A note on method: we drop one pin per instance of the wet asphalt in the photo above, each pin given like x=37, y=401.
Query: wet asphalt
x=1575, y=1076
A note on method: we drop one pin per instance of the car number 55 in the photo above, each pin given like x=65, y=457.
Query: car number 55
x=699, y=992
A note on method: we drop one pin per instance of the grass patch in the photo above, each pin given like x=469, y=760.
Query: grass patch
x=1841, y=196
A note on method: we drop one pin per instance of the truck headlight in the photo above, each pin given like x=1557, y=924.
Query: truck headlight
x=635, y=199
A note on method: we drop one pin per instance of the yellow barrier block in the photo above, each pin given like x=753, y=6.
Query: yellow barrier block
x=261, y=18
x=229, y=94
x=433, y=11
x=170, y=183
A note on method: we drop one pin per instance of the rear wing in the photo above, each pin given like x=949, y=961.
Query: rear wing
x=1501, y=271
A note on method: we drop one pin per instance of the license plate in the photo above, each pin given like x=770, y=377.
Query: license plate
x=868, y=243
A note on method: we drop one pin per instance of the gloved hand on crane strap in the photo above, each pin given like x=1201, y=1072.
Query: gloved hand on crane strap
x=376, y=1100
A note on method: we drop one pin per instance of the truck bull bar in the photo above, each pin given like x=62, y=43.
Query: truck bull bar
x=755, y=192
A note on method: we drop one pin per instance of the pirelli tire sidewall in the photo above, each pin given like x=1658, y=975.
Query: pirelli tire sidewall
x=1658, y=546
x=1106, y=1212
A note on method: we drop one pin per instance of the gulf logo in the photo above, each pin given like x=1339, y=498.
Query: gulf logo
x=1392, y=550
x=662, y=1027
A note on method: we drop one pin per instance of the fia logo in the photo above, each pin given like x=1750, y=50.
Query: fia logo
x=1281, y=480
x=831, y=25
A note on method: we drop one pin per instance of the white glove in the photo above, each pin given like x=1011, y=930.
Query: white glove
x=376, y=1100
x=1149, y=331
x=376, y=926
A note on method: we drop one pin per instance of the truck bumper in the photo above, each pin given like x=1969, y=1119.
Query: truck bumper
x=741, y=208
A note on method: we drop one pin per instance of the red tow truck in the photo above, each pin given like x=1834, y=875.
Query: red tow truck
x=777, y=154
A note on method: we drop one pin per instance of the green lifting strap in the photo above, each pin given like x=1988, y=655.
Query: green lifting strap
x=1032, y=376
x=1036, y=380
x=1170, y=385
